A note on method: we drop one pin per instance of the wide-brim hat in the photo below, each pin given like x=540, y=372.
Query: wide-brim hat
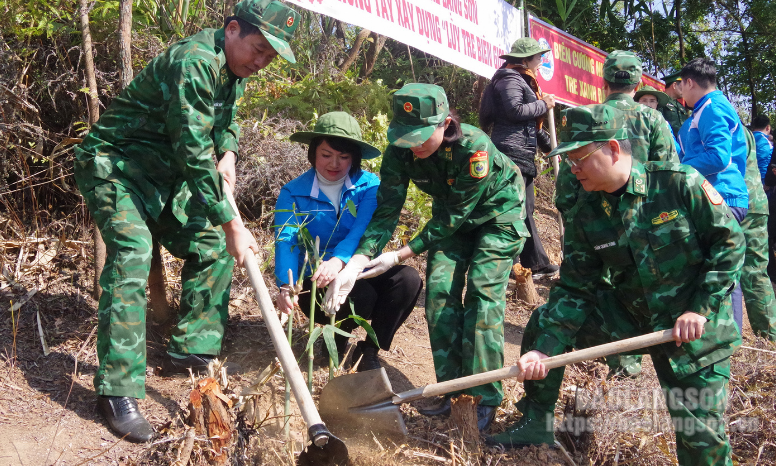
x=586, y=124
x=525, y=47
x=662, y=97
x=418, y=109
x=276, y=22
x=338, y=125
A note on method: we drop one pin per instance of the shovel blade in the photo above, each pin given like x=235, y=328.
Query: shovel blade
x=334, y=453
x=361, y=404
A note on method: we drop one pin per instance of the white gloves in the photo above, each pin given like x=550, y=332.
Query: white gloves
x=381, y=264
x=340, y=287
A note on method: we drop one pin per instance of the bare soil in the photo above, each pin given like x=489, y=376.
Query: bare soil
x=47, y=402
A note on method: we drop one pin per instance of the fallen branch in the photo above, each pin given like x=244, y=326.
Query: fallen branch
x=758, y=349
x=24, y=300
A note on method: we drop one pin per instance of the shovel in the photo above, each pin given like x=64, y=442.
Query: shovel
x=325, y=449
x=365, y=404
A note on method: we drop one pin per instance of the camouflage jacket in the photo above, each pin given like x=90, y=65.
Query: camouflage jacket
x=651, y=140
x=675, y=114
x=158, y=137
x=470, y=182
x=670, y=244
x=758, y=201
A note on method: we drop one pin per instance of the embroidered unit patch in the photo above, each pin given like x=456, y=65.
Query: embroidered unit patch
x=478, y=164
x=711, y=193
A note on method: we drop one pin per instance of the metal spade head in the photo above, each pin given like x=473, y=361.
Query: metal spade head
x=332, y=453
x=361, y=404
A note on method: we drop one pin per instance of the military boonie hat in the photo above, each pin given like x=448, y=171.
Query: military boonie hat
x=589, y=123
x=672, y=78
x=417, y=111
x=662, y=97
x=525, y=47
x=340, y=125
x=627, y=62
x=276, y=22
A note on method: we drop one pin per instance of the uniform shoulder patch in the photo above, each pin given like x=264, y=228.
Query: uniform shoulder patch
x=712, y=193
x=478, y=164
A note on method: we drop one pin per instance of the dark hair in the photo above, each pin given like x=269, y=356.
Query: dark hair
x=246, y=28
x=620, y=87
x=700, y=70
x=453, y=131
x=340, y=145
x=525, y=59
x=760, y=122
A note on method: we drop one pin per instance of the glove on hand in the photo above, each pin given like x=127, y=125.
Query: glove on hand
x=381, y=264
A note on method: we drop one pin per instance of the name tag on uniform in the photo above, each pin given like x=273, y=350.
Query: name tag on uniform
x=605, y=245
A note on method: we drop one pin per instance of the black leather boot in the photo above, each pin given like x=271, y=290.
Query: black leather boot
x=124, y=418
x=368, y=355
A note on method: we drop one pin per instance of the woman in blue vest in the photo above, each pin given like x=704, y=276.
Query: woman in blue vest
x=318, y=199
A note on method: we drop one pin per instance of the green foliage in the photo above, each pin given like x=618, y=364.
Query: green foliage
x=301, y=99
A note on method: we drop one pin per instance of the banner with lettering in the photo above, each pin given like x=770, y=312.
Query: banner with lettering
x=573, y=69
x=467, y=33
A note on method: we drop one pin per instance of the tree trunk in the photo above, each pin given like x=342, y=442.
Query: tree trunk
x=678, y=6
x=94, y=115
x=375, y=47
x=463, y=419
x=525, y=290
x=353, y=53
x=209, y=416
x=125, y=42
x=478, y=88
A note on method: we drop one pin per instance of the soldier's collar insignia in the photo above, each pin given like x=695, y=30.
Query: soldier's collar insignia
x=714, y=197
x=665, y=217
x=607, y=207
x=448, y=154
x=408, y=107
x=639, y=183
x=290, y=21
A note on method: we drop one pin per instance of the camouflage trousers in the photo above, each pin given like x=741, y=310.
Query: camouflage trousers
x=755, y=283
x=206, y=280
x=467, y=332
x=696, y=402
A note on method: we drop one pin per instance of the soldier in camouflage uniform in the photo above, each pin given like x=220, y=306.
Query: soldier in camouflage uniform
x=146, y=171
x=755, y=282
x=673, y=252
x=476, y=228
x=651, y=140
x=673, y=110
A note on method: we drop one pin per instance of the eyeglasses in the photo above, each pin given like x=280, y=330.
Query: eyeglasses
x=578, y=162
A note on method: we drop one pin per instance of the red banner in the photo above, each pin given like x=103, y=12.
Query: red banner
x=573, y=69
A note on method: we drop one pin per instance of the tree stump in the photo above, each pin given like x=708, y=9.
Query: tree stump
x=463, y=419
x=209, y=416
x=161, y=312
x=525, y=290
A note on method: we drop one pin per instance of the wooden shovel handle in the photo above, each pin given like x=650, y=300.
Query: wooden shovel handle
x=594, y=352
x=282, y=348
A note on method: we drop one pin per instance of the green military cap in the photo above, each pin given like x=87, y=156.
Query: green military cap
x=621, y=60
x=276, y=22
x=340, y=125
x=525, y=47
x=589, y=123
x=672, y=78
x=662, y=97
x=417, y=111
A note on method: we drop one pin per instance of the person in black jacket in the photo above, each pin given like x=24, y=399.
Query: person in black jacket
x=512, y=110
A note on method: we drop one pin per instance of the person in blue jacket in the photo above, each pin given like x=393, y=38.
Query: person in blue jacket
x=761, y=127
x=322, y=199
x=713, y=141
